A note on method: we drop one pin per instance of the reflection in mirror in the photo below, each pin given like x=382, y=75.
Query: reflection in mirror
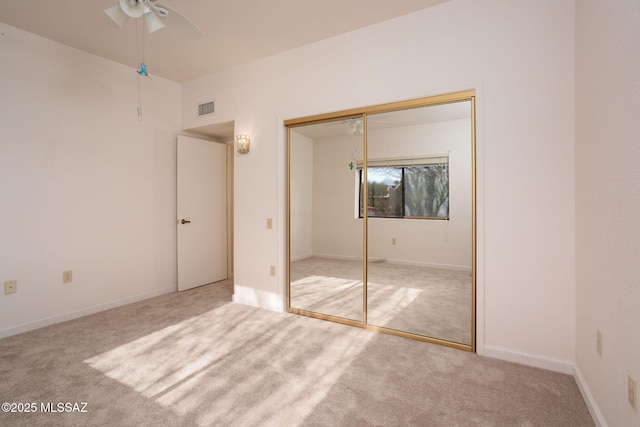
x=419, y=207
x=325, y=233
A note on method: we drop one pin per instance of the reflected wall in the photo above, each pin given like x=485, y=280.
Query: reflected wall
x=326, y=272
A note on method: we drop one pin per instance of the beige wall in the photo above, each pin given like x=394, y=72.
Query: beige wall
x=301, y=207
x=608, y=203
x=84, y=185
x=337, y=232
x=438, y=243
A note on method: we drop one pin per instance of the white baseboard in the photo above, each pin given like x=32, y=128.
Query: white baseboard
x=535, y=360
x=41, y=323
x=340, y=257
x=589, y=400
x=392, y=261
x=257, y=298
x=430, y=265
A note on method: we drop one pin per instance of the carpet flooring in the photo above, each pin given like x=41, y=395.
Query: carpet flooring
x=196, y=359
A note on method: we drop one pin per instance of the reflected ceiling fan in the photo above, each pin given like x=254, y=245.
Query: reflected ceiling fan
x=156, y=16
x=355, y=125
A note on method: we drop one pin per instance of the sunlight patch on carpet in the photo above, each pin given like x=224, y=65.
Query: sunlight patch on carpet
x=343, y=297
x=237, y=363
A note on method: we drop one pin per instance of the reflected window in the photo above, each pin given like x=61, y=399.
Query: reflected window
x=406, y=191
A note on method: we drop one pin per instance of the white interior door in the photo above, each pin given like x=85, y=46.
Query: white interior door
x=202, y=212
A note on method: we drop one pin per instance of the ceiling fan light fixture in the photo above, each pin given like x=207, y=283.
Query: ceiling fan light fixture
x=153, y=22
x=132, y=8
x=354, y=126
x=116, y=14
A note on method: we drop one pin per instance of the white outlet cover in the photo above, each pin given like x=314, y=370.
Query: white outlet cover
x=10, y=287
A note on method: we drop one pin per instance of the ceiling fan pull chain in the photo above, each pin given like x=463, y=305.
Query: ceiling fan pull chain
x=139, y=72
x=139, y=100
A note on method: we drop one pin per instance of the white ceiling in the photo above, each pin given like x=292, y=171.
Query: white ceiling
x=236, y=31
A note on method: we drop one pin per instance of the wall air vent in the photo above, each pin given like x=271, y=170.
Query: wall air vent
x=206, y=108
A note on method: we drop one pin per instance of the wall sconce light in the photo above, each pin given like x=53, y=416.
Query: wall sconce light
x=242, y=143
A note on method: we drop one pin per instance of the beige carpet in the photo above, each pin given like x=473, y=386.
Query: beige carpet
x=196, y=359
x=432, y=302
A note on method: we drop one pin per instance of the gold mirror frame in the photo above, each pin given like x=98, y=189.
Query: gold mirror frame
x=363, y=113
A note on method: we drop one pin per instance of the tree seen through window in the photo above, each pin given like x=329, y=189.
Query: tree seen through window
x=407, y=191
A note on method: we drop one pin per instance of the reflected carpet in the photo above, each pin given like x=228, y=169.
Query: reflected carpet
x=433, y=302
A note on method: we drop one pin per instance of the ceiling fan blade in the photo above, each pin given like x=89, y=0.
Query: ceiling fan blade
x=180, y=22
x=160, y=10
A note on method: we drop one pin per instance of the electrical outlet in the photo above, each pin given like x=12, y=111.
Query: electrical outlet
x=272, y=270
x=269, y=223
x=599, y=341
x=10, y=287
x=67, y=276
x=633, y=391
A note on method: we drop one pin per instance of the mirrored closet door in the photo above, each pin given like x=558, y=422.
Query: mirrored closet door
x=326, y=275
x=419, y=201
x=381, y=218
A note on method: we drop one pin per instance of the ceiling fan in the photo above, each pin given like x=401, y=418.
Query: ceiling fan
x=155, y=16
